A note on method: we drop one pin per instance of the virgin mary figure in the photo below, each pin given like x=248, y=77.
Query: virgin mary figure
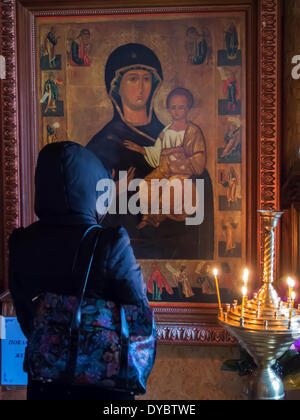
x=133, y=75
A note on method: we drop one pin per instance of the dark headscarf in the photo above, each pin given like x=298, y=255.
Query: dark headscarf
x=65, y=184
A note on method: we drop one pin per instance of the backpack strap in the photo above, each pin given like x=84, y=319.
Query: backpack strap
x=76, y=321
x=77, y=316
x=80, y=244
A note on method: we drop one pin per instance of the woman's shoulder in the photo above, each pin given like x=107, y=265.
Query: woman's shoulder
x=117, y=243
x=19, y=235
x=15, y=236
x=115, y=234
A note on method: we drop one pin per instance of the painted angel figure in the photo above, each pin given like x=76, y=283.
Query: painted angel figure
x=231, y=90
x=232, y=137
x=231, y=41
x=181, y=278
x=50, y=43
x=207, y=36
x=51, y=93
x=231, y=184
x=206, y=279
x=80, y=49
x=196, y=46
x=157, y=282
x=52, y=136
x=228, y=227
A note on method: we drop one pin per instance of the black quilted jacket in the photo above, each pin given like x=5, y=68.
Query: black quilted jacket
x=42, y=254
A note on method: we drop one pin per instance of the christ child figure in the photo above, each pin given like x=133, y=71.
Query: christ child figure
x=178, y=154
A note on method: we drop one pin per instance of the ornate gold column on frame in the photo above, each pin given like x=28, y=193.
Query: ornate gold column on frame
x=268, y=326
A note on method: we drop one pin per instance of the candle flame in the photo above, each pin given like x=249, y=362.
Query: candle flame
x=215, y=272
x=244, y=291
x=291, y=282
x=246, y=275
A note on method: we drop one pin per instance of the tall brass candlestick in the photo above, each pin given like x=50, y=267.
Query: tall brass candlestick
x=265, y=326
x=215, y=272
x=293, y=298
x=244, y=292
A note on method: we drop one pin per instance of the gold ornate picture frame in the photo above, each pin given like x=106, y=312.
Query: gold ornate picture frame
x=21, y=116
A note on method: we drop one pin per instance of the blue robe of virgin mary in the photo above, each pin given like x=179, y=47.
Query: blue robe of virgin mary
x=171, y=240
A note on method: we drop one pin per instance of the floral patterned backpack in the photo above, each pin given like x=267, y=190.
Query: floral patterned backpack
x=83, y=340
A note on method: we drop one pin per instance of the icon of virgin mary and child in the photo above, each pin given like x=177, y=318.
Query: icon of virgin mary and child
x=137, y=142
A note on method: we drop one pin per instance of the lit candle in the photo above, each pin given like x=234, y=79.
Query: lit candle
x=245, y=276
x=244, y=292
x=293, y=298
x=291, y=284
x=215, y=272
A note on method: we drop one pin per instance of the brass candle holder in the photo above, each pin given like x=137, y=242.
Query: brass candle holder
x=266, y=326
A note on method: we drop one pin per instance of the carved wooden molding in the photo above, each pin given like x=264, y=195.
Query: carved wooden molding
x=269, y=127
x=9, y=146
x=7, y=307
x=199, y=328
x=191, y=335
